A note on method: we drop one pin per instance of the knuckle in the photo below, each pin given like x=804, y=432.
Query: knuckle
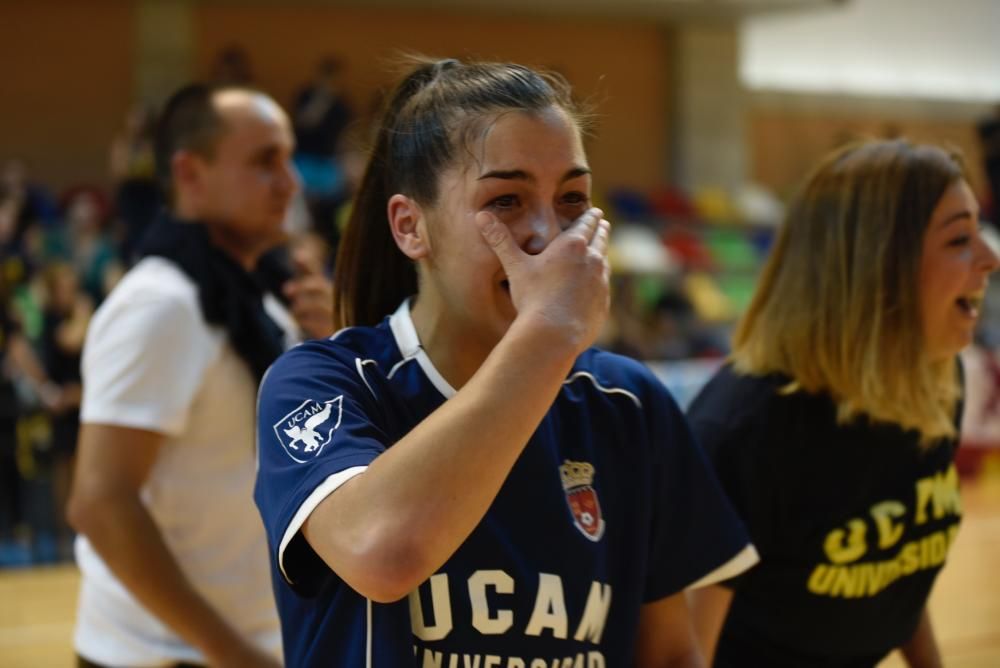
x=495, y=236
x=576, y=243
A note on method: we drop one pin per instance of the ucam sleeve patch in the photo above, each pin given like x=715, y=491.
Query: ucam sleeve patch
x=309, y=427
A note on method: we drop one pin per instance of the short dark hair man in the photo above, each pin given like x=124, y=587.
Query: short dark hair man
x=172, y=551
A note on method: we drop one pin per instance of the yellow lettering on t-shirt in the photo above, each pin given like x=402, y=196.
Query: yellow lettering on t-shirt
x=843, y=547
x=889, y=532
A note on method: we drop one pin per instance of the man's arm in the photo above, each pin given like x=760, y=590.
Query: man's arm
x=921, y=650
x=112, y=464
x=666, y=638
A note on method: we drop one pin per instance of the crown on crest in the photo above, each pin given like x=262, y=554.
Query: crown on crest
x=576, y=474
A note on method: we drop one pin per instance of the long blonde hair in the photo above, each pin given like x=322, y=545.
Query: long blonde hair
x=838, y=306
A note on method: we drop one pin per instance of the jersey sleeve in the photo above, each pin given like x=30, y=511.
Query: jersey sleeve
x=745, y=470
x=143, y=361
x=318, y=426
x=697, y=538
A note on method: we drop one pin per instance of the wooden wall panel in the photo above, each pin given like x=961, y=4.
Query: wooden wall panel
x=784, y=145
x=622, y=64
x=67, y=84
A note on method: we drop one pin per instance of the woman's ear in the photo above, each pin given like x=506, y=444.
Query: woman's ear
x=409, y=228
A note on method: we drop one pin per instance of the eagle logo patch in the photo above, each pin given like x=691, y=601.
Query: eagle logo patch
x=578, y=484
x=305, y=431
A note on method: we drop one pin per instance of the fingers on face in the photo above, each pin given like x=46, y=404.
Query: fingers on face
x=602, y=235
x=601, y=243
x=499, y=238
x=586, y=225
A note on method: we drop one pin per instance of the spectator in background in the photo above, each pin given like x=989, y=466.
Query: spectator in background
x=320, y=115
x=18, y=364
x=66, y=317
x=27, y=214
x=834, y=428
x=173, y=557
x=137, y=195
x=31, y=204
x=232, y=67
x=92, y=249
x=989, y=137
x=321, y=112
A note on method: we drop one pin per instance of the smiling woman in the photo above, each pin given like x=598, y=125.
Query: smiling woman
x=485, y=487
x=834, y=428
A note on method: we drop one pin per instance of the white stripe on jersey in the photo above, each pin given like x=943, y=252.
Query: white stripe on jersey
x=606, y=390
x=395, y=368
x=743, y=561
x=323, y=490
x=405, y=334
x=368, y=635
x=360, y=364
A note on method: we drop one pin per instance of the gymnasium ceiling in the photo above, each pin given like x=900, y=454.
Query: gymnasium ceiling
x=655, y=10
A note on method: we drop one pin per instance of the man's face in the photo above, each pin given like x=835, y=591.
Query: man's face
x=246, y=186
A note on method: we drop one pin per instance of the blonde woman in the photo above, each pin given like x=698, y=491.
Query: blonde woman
x=834, y=426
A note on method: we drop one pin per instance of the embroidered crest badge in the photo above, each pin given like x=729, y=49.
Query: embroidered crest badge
x=305, y=431
x=578, y=484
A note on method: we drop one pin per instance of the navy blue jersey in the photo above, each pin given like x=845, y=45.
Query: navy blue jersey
x=609, y=506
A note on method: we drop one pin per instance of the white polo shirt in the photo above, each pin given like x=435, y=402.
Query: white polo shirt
x=152, y=362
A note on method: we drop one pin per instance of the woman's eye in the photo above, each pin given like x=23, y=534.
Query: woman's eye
x=504, y=202
x=960, y=241
x=575, y=199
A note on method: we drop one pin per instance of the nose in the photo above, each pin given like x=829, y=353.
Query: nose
x=288, y=181
x=990, y=248
x=541, y=228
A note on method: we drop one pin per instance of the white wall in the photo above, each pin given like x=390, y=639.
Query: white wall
x=947, y=49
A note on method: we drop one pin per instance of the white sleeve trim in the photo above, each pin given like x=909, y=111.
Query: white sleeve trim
x=741, y=562
x=323, y=490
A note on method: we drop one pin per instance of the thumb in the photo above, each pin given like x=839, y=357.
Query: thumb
x=500, y=240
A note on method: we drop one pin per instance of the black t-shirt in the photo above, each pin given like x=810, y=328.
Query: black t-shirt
x=62, y=367
x=852, y=522
x=8, y=397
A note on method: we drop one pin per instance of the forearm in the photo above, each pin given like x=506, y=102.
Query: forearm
x=665, y=636
x=25, y=361
x=921, y=650
x=125, y=536
x=709, y=607
x=418, y=501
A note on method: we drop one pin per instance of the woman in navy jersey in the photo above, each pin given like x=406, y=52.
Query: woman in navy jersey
x=834, y=427
x=457, y=478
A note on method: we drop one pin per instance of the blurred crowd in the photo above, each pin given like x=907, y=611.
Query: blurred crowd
x=61, y=253
x=684, y=267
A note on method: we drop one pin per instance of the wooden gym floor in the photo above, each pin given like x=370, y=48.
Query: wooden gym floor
x=37, y=605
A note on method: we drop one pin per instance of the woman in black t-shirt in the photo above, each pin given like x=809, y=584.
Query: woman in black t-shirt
x=834, y=425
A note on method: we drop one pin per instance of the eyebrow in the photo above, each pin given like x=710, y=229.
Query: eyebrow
x=265, y=152
x=958, y=215
x=521, y=175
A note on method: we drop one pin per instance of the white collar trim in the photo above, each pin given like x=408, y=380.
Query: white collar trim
x=405, y=334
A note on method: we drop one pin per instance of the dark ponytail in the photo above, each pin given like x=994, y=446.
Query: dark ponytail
x=437, y=105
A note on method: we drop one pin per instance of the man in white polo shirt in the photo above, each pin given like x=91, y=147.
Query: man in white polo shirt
x=171, y=548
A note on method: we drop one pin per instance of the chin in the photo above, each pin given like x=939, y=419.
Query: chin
x=953, y=348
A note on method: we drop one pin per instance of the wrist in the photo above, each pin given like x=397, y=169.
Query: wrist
x=560, y=335
x=545, y=342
